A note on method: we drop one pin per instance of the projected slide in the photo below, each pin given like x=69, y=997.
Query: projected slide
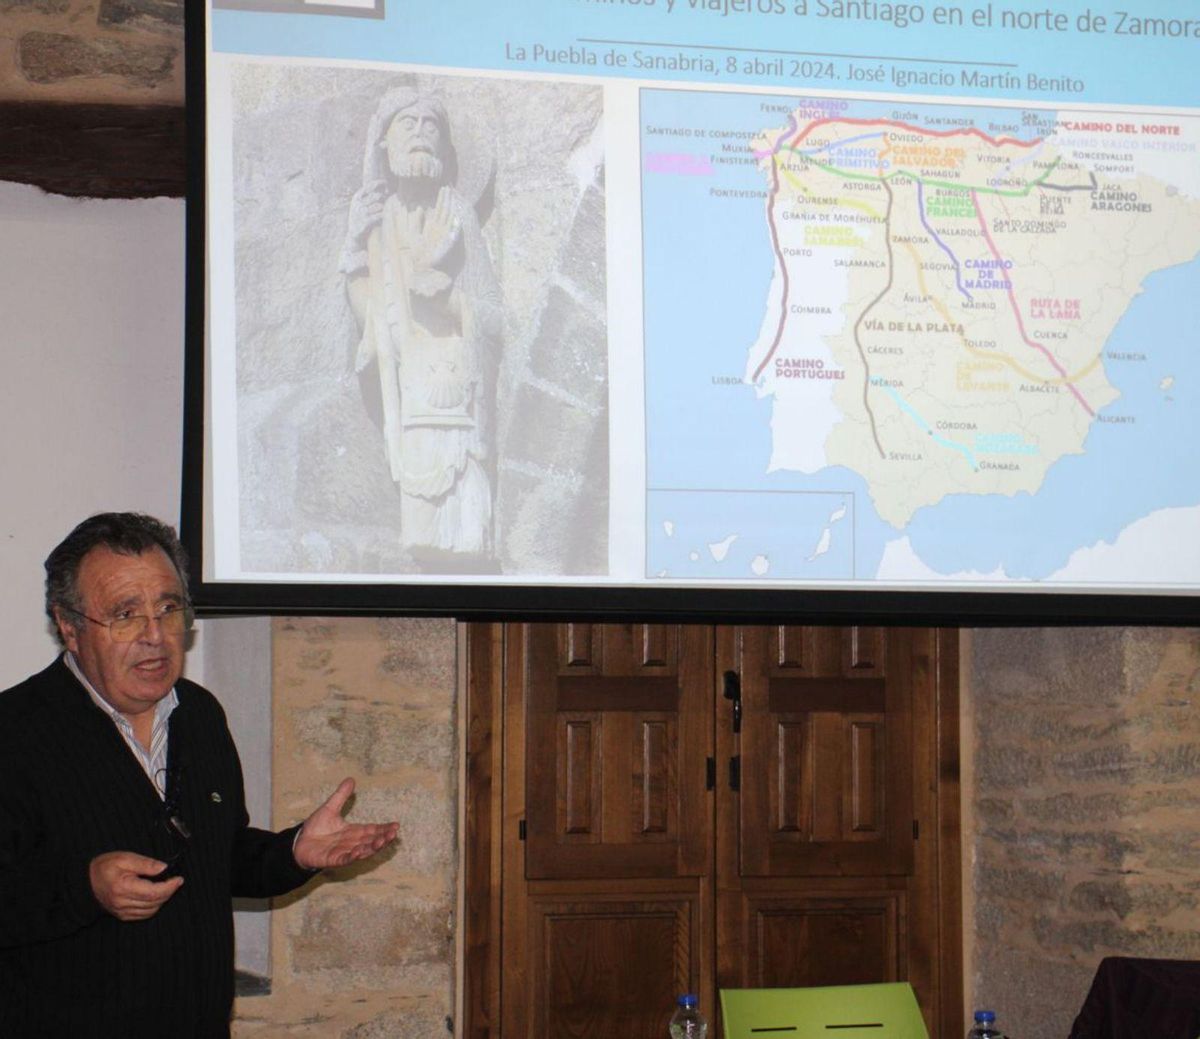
x=728, y=294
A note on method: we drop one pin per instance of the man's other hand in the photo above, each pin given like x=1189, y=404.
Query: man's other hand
x=326, y=839
x=119, y=882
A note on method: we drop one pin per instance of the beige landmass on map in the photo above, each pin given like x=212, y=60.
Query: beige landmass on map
x=978, y=282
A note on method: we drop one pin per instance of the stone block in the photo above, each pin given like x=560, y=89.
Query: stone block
x=1168, y=851
x=340, y=469
x=1160, y=901
x=1173, y=764
x=1093, y=897
x=1174, y=799
x=995, y=810
x=1019, y=884
x=571, y=349
x=1115, y=763
x=532, y=517
x=1090, y=936
x=991, y=918
x=306, y=630
x=51, y=57
x=1074, y=809
x=425, y=1022
x=1109, y=938
x=376, y=740
x=551, y=526
x=420, y=654
x=162, y=16
x=428, y=824
x=549, y=431
x=1092, y=847
x=311, y=467
x=1047, y=665
x=1063, y=727
x=1146, y=650
x=587, y=551
x=1001, y=767
x=342, y=930
x=557, y=522
x=1037, y=997
x=39, y=6
x=584, y=253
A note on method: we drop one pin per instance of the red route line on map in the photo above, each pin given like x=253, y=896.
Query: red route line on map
x=1012, y=299
x=970, y=131
x=802, y=133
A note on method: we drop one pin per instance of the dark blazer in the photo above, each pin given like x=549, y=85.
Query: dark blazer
x=71, y=790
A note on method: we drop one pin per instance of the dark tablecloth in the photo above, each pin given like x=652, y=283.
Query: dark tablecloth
x=1141, y=999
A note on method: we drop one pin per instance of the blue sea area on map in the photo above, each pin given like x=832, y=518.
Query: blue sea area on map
x=708, y=265
x=692, y=526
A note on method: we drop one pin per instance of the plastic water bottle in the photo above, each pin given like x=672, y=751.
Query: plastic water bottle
x=985, y=1026
x=688, y=1022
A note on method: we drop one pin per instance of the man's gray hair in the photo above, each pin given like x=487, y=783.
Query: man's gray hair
x=127, y=533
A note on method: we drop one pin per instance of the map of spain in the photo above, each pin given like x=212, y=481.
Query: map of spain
x=942, y=296
x=917, y=342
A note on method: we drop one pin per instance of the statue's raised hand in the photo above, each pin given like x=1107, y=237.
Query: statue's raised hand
x=431, y=233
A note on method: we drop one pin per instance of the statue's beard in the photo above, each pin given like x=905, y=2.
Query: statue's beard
x=419, y=164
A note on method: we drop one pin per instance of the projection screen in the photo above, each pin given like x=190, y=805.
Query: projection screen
x=832, y=308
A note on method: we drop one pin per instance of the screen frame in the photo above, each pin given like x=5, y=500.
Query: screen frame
x=533, y=602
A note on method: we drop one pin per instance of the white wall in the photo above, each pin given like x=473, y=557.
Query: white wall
x=91, y=337
x=91, y=312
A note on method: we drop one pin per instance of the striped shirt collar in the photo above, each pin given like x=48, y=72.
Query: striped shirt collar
x=154, y=760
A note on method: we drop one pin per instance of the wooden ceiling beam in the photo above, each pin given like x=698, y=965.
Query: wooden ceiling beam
x=94, y=150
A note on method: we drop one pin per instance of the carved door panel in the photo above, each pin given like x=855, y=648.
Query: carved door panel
x=605, y=964
x=826, y=752
x=619, y=728
x=809, y=936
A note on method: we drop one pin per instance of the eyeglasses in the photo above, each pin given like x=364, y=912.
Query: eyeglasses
x=173, y=619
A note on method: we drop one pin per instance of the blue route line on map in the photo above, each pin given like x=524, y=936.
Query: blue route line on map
x=945, y=248
x=848, y=141
x=1027, y=157
x=1013, y=164
x=912, y=413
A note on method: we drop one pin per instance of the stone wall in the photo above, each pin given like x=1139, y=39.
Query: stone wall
x=1086, y=812
x=111, y=51
x=366, y=952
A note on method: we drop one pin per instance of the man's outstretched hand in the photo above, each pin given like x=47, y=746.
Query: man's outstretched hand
x=326, y=839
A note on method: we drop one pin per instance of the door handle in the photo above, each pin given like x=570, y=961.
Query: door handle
x=733, y=691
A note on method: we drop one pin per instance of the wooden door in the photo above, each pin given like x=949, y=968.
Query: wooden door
x=643, y=842
x=609, y=915
x=831, y=865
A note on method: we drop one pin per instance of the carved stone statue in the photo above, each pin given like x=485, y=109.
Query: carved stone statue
x=421, y=284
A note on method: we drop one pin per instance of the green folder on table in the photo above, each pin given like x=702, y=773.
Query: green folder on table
x=887, y=1011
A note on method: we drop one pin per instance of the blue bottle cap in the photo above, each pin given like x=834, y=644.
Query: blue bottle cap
x=688, y=1000
x=985, y=1017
